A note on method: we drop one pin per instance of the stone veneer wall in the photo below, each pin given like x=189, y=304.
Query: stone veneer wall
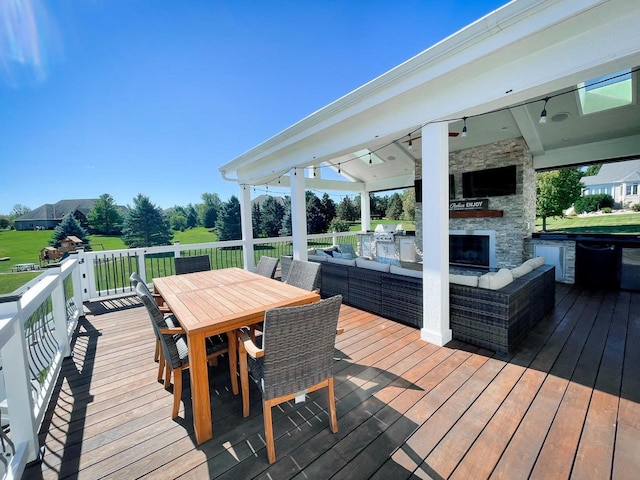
x=518, y=220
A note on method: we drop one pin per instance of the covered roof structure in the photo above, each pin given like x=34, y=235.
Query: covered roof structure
x=495, y=77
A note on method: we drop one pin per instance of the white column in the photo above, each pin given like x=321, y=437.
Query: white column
x=365, y=211
x=298, y=214
x=435, y=233
x=247, y=228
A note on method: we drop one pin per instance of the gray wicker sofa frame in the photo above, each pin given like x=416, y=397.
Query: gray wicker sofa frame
x=493, y=319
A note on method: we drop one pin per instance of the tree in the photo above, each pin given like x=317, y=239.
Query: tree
x=346, y=210
x=146, y=225
x=192, y=215
x=228, y=223
x=286, y=229
x=556, y=191
x=256, y=219
x=69, y=226
x=272, y=214
x=394, y=211
x=178, y=219
x=409, y=204
x=315, y=220
x=18, y=210
x=5, y=221
x=592, y=170
x=209, y=209
x=327, y=210
x=104, y=216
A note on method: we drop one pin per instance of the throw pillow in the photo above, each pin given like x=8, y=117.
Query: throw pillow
x=389, y=261
x=346, y=256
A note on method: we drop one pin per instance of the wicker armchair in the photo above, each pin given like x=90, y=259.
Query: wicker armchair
x=137, y=280
x=174, y=354
x=296, y=358
x=267, y=266
x=303, y=274
x=198, y=263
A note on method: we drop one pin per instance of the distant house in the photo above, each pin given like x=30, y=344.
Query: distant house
x=49, y=215
x=619, y=179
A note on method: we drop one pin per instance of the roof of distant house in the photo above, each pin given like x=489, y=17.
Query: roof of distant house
x=57, y=211
x=617, y=172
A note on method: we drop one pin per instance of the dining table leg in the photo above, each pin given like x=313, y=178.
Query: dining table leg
x=200, y=400
x=232, y=338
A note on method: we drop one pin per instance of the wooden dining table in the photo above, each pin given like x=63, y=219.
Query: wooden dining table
x=220, y=302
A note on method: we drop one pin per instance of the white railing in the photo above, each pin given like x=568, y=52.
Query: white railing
x=106, y=273
x=36, y=327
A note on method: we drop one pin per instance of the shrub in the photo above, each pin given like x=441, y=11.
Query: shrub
x=635, y=207
x=338, y=225
x=606, y=210
x=592, y=203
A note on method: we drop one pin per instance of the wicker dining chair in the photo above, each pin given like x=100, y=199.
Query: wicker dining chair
x=136, y=280
x=267, y=266
x=174, y=353
x=303, y=274
x=296, y=357
x=197, y=263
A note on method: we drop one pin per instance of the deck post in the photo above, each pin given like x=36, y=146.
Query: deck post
x=298, y=214
x=17, y=379
x=365, y=211
x=60, y=318
x=247, y=228
x=435, y=248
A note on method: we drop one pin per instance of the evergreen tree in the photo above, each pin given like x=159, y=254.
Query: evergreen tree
x=192, y=216
x=286, y=229
x=556, y=191
x=67, y=227
x=272, y=214
x=146, y=225
x=178, y=219
x=346, y=210
x=394, y=211
x=409, y=204
x=228, y=223
x=256, y=219
x=327, y=210
x=104, y=216
x=315, y=219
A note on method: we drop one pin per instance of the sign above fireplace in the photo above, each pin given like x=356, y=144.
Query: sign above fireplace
x=468, y=205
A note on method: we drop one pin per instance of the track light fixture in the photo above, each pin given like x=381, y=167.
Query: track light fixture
x=464, y=126
x=543, y=114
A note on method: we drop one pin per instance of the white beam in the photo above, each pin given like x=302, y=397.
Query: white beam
x=365, y=211
x=247, y=227
x=617, y=148
x=298, y=215
x=435, y=238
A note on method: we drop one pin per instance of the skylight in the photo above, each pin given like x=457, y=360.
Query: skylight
x=364, y=156
x=603, y=93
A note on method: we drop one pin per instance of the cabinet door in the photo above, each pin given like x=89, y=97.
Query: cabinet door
x=407, y=250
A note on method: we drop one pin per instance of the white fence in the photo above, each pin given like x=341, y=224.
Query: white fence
x=36, y=327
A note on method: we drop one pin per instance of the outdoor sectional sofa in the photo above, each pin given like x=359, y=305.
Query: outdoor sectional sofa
x=493, y=319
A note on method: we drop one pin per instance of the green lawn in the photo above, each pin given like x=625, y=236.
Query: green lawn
x=602, y=223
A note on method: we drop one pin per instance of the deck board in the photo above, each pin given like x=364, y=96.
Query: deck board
x=565, y=404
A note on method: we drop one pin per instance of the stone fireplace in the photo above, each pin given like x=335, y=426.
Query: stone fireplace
x=513, y=219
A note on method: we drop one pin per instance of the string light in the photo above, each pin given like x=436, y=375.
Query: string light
x=543, y=114
x=464, y=128
x=369, y=158
x=338, y=169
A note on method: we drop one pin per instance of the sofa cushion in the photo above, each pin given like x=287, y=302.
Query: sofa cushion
x=407, y=272
x=388, y=261
x=345, y=256
x=496, y=280
x=535, y=262
x=371, y=265
x=347, y=248
x=318, y=258
x=521, y=270
x=342, y=261
x=467, y=280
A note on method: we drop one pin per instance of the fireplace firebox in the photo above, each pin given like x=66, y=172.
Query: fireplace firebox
x=472, y=248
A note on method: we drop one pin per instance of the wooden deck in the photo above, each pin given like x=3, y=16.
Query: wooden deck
x=566, y=404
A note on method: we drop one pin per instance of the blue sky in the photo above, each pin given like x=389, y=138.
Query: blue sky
x=152, y=96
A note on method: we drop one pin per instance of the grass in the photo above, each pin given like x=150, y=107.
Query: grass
x=603, y=223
